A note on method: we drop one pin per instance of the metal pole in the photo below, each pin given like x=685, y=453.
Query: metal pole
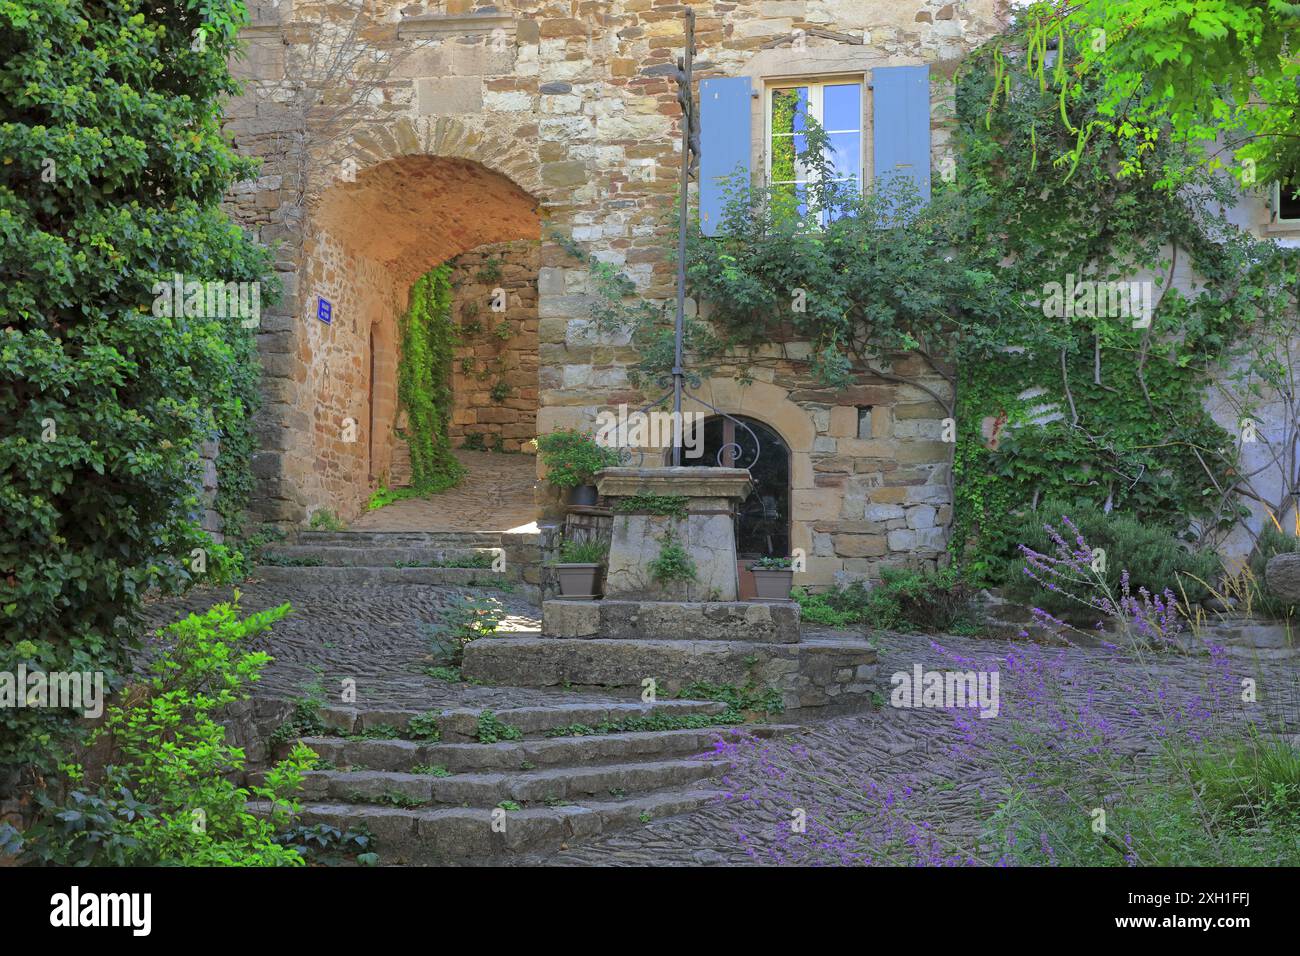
x=679, y=326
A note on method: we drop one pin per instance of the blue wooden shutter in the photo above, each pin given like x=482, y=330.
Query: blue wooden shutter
x=901, y=100
x=724, y=144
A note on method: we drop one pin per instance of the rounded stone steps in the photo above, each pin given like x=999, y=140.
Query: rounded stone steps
x=489, y=789
x=345, y=577
x=812, y=673
x=460, y=725
x=402, y=755
x=480, y=835
x=334, y=556
x=431, y=539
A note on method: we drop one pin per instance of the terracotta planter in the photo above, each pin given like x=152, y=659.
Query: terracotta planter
x=583, y=495
x=772, y=584
x=579, y=581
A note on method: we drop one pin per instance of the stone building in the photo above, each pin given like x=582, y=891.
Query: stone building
x=397, y=137
x=468, y=130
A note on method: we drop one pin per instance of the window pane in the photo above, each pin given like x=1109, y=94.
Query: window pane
x=846, y=154
x=789, y=110
x=842, y=106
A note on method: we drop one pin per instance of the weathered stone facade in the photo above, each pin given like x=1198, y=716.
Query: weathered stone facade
x=470, y=125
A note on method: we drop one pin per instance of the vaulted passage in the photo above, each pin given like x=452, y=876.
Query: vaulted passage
x=367, y=241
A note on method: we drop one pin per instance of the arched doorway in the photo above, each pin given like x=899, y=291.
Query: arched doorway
x=763, y=519
x=368, y=239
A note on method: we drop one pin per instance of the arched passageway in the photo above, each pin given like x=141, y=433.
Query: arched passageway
x=368, y=238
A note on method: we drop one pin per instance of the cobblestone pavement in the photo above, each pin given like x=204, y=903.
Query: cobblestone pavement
x=894, y=748
x=495, y=495
x=377, y=636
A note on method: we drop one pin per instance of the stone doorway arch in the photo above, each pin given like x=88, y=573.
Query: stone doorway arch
x=367, y=238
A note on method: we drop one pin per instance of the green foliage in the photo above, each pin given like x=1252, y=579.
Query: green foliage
x=672, y=563
x=653, y=722
x=467, y=620
x=1271, y=542
x=903, y=599
x=166, y=795
x=582, y=552
x=671, y=506
x=739, y=700
x=1154, y=558
x=424, y=382
x=773, y=563
x=499, y=392
x=307, y=720
x=431, y=769
x=377, y=732
x=450, y=674
x=324, y=845
x=1201, y=73
x=325, y=520
x=572, y=458
x=1112, y=414
x=114, y=170
x=424, y=727
x=492, y=730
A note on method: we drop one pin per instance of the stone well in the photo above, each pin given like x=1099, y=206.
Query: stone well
x=707, y=532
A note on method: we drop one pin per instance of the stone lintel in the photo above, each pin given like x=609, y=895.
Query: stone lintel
x=455, y=24
x=730, y=483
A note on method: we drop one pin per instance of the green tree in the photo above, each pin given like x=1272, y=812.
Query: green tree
x=1221, y=78
x=112, y=170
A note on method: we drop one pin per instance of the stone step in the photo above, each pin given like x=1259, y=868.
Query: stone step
x=430, y=539
x=468, y=835
x=461, y=725
x=757, y=621
x=812, y=673
x=490, y=789
x=402, y=755
x=338, y=555
x=348, y=577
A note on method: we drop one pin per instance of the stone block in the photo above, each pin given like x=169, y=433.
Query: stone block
x=443, y=96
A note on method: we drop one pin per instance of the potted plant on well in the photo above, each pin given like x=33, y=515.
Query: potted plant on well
x=579, y=569
x=773, y=578
x=572, y=459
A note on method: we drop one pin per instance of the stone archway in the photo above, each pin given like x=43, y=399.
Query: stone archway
x=367, y=239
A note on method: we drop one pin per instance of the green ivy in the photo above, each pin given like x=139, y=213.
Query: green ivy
x=672, y=506
x=424, y=382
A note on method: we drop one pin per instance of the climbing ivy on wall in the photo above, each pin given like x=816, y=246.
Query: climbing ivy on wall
x=424, y=382
x=1117, y=411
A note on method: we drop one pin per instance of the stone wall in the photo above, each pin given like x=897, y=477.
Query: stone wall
x=498, y=350
x=492, y=119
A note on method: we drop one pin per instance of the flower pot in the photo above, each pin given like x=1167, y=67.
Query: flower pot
x=578, y=581
x=772, y=584
x=583, y=495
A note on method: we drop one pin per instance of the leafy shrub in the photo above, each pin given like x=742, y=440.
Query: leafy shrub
x=1154, y=558
x=467, y=620
x=424, y=727
x=1271, y=542
x=324, y=845
x=582, y=552
x=166, y=795
x=572, y=458
x=114, y=170
x=773, y=563
x=424, y=382
x=903, y=599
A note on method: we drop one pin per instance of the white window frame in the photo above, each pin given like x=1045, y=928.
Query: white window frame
x=1276, y=200
x=816, y=85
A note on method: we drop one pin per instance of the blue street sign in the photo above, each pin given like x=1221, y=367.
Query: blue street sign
x=324, y=310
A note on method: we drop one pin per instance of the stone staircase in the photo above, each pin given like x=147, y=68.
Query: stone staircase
x=620, y=644
x=456, y=800
x=362, y=558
